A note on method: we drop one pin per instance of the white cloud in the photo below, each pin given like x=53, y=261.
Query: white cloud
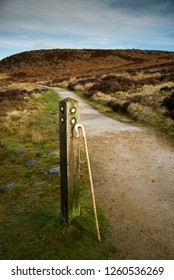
x=92, y=23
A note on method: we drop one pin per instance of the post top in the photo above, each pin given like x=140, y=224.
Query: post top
x=68, y=100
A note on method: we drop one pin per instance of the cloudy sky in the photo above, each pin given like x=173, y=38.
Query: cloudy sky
x=100, y=24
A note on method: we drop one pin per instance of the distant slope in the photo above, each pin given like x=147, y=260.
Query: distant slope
x=47, y=65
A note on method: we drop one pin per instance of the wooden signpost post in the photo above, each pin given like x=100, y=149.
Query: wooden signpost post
x=69, y=159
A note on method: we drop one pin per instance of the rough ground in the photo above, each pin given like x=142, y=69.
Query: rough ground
x=62, y=64
x=133, y=172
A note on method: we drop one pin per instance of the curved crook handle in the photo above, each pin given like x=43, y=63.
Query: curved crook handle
x=76, y=128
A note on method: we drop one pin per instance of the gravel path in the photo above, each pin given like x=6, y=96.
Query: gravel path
x=133, y=172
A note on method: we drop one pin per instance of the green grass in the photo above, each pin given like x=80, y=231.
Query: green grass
x=31, y=226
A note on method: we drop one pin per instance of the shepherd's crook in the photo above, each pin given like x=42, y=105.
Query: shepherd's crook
x=77, y=126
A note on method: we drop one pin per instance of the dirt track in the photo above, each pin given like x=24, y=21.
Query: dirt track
x=133, y=174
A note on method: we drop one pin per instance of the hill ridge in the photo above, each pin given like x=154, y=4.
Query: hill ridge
x=44, y=65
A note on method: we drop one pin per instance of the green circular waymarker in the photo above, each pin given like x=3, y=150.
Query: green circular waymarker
x=61, y=108
x=73, y=121
x=62, y=120
x=73, y=110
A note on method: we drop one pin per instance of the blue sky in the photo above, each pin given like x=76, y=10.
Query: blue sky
x=77, y=24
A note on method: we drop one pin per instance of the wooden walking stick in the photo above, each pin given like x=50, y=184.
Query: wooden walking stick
x=77, y=126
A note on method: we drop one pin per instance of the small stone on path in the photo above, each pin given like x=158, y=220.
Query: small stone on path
x=53, y=154
x=54, y=171
x=31, y=161
x=9, y=186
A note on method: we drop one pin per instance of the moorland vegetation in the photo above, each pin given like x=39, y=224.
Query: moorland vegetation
x=136, y=84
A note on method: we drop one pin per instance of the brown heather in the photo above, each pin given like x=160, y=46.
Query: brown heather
x=137, y=83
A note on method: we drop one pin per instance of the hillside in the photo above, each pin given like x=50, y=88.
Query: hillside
x=137, y=83
x=44, y=65
x=132, y=166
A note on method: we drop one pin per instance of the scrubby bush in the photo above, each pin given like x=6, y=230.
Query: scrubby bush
x=168, y=103
x=112, y=83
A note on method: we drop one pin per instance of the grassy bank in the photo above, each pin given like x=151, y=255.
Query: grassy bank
x=141, y=96
x=31, y=226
